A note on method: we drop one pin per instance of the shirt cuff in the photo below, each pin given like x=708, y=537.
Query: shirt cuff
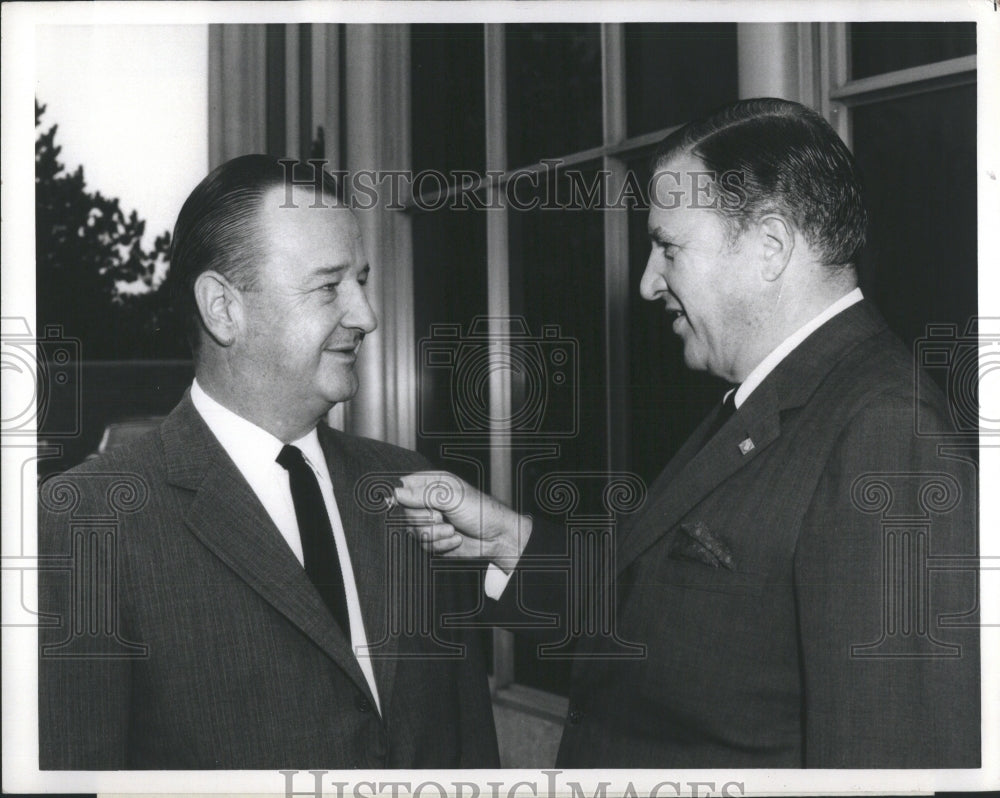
x=496, y=582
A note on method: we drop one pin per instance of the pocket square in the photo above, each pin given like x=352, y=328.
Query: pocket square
x=695, y=541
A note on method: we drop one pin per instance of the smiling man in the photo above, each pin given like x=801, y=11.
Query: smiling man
x=248, y=601
x=777, y=576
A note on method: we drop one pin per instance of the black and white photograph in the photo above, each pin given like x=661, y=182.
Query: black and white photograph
x=497, y=399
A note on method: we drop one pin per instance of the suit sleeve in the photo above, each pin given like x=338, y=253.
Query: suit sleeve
x=536, y=599
x=889, y=679
x=83, y=686
x=477, y=732
x=458, y=593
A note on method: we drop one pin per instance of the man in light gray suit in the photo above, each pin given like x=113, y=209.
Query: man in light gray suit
x=248, y=606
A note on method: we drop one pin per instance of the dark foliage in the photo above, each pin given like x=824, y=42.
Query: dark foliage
x=93, y=275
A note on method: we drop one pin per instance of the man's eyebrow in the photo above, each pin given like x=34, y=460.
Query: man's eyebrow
x=658, y=235
x=330, y=269
x=337, y=269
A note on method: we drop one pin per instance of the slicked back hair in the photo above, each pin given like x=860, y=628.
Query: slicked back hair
x=789, y=161
x=218, y=228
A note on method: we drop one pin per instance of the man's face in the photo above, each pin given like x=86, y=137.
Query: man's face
x=704, y=279
x=307, y=315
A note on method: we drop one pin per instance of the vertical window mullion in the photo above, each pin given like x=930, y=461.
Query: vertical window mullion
x=498, y=303
x=810, y=87
x=306, y=123
x=238, y=91
x=834, y=69
x=319, y=89
x=292, y=105
x=325, y=103
x=616, y=249
x=275, y=91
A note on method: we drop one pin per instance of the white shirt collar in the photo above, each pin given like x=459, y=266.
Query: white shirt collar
x=786, y=347
x=250, y=446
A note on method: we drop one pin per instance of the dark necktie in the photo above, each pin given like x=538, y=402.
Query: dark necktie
x=318, y=546
x=725, y=413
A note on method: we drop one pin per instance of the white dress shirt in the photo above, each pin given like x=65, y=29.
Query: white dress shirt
x=254, y=452
x=496, y=580
x=786, y=347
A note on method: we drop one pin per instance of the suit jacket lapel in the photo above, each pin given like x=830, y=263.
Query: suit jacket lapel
x=367, y=541
x=229, y=519
x=699, y=469
x=702, y=471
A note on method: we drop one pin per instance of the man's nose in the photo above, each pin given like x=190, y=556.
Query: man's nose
x=360, y=315
x=653, y=283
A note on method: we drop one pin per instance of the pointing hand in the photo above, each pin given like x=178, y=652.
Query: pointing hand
x=454, y=519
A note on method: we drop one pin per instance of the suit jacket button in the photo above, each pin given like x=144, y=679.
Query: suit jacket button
x=575, y=716
x=363, y=705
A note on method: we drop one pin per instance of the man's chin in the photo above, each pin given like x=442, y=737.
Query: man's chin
x=694, y=360
x=342, y=391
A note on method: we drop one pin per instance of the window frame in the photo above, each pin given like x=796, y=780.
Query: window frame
x=614, y=151
x=840, y=94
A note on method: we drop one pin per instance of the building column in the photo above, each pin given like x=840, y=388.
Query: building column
x=237, y=98
x=778, y=60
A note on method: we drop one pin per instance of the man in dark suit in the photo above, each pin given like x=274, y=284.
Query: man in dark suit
x=233, y=598
x=776, y=581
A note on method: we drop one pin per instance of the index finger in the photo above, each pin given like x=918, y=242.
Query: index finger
x=436, y=490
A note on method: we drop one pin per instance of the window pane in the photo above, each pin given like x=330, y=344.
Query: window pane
x=448, y=106
x=920, y=265
x=675, y=72
x=553, y=90
x=449, y=291
x=667, y=400
x=275, y=66
x=557, y=278
x=878, y=47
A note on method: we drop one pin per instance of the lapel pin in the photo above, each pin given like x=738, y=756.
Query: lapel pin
x=746, y=446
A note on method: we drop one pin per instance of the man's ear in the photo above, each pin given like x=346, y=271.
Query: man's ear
x=219, y=306
x=777, y=242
